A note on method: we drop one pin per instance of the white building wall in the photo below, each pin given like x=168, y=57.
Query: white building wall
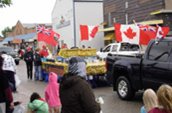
x=89, y=13
x=64, y=8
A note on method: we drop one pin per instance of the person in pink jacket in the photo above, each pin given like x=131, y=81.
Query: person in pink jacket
x=52, y=94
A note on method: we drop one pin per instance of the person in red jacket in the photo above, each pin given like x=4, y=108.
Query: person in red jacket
x=5, y=90
x=44, y=51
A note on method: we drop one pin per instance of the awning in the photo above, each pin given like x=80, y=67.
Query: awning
x=109, y=36
x=150, y=22
x=24, y=37
x=16, y=41
x=160, y=12
x=106, y=29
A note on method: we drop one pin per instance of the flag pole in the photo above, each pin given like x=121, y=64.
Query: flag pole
x=140, y=46
x=134, y=22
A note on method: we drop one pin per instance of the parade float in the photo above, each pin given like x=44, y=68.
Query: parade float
x=59, y=64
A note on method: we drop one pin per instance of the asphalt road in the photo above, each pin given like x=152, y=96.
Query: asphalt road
x=112, y=104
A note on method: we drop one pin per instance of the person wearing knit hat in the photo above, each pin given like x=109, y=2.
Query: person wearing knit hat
x=75, y=92
x=77, y=66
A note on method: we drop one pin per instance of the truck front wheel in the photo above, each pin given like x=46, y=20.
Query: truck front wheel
x=124, y=88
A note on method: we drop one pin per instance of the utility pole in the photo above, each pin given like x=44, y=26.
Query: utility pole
x=126, y=14
x=74, y=23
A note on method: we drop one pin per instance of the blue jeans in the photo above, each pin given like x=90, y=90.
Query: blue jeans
x=38, y=75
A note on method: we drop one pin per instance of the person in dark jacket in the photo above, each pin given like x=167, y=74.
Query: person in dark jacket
x=28, y=58
x=75, y=93
x=37, y=65
x=5, y=90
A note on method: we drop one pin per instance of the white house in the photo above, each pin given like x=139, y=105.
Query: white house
x=68, y=15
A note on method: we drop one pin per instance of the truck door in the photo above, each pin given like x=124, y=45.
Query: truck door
x=155, y=66
x=170, y=67
x=105, y=51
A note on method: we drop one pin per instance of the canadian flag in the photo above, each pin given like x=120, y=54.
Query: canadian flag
x=127, y=33
x=88, y=32
x=139, y=34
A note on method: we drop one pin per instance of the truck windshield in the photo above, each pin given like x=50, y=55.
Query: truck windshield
x=129, y=47
x=107, y=49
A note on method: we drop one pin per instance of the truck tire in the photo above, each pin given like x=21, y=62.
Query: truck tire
x=124, y=89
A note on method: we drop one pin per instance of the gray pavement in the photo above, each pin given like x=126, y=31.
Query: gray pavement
x=112, y=103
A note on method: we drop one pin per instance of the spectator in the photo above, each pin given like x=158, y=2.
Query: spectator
x=21, y=53
x=149, y=100
x=28, y=58
x=9, y=68
x=52, y=94
x=64, y=46
x=83, y=46
x=75, y=93
x=37, y=104
x=164, y=95
x=5, y=90
x=58, y=49
x=37, y=63
x=44, y=51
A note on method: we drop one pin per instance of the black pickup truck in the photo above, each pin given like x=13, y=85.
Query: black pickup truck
x=131, y=74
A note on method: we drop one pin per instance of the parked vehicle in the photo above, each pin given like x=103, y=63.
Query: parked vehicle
x=131, y=74
x=10, y=51
x=119, y=49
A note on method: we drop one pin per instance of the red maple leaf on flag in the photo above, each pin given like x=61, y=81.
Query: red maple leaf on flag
x=130, y=34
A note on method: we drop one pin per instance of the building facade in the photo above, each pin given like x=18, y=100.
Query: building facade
x=23, y=35
x=19, y=29
x=148, y=11
x=68, y=15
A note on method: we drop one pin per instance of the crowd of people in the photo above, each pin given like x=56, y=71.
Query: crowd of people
x=72, y=94
x=34, y=57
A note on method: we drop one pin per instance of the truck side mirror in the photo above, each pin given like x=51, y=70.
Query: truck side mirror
x=101, y=49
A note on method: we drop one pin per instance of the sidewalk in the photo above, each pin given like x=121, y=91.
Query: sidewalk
x=27, y=87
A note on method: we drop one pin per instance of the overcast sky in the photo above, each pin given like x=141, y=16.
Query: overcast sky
x=27, y=11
